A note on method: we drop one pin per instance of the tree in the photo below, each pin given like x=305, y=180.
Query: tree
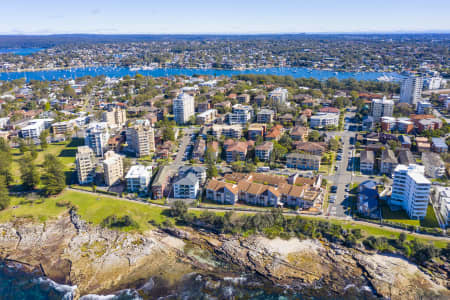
x=5, y=162
x=29, y=173
x=4, y=194
x=69, y=91
x=43, y=138
x=168, y=134
x=314, y=136
x=178, y=209
x=54, y=179
x=211, y=171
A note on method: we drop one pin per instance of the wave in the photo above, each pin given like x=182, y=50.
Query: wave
x=67, y=290
x=127, y=294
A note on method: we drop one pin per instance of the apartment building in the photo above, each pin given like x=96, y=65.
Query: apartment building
x=382, y=108
x=411, y=190
x=34, y=128
x=141, y=139
x=241, y=114
x=303, y=161
x=237, y=151
x=187, y=187
x=321, y=120
x=222, y=192
x=207, y=117
x=96, y=137
x=256, y=130
x=433, y=164
x=442, y=199
x=263, y=151
x=411, y=90
x=279, y=96
x=388, y=162
x=265, y=116
x=199, y=172
x=183, y=108
x=243, y=98
x=85, y=165
x=138, y=179
x=115, y=117
x=229, y=131
x=112, y=168
x=62, y=127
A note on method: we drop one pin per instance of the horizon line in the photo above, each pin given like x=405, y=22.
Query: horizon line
x=394, y=32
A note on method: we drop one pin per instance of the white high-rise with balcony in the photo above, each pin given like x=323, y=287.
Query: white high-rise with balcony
x=382, y=108
x=411, y=190
x=411, y=90
x=183, y=108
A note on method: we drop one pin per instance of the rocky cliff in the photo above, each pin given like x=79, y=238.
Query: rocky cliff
x=99, y=260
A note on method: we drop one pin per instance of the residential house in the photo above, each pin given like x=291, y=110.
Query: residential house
x=367, y=200
x=405, y=141
x=367, y=162
x=274, y=133
x=439, y=145
x=405, y=157
x=388, y=162
x=299, y=133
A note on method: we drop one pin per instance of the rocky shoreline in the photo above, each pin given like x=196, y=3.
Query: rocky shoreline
x=99, y=260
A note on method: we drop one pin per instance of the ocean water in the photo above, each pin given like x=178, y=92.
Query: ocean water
x=20, y=51
x=120, y=72
x=17, y=284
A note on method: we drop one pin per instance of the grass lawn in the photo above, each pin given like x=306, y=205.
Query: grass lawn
x=399, y=216
x=90, y=207
x=430, y=219
x=64, y=151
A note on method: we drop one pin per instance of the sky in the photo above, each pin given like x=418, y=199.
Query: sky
x=225, y=16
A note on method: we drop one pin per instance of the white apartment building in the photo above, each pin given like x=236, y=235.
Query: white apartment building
x=34, y=128
x=207, y=117
x=279, y=96
x=112, y=168
x=138, y=179
x=411, y=90
x=186, y=187
x=321, y=120
x=183, y=108
x=241, y=114
x=85, y=165
x=96, y=137
x=141, y=138
x=411, y=190
x=382, y=108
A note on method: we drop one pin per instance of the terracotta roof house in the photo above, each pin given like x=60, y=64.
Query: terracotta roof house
x=274, y=133
x=299, y=133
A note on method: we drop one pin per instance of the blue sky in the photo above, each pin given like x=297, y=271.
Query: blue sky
x=225, y=16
